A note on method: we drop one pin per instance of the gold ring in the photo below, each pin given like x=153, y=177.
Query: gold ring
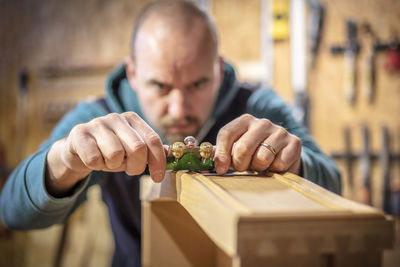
x=270, y=148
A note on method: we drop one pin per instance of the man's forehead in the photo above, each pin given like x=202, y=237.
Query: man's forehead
x=174, y=55
x=179, y=77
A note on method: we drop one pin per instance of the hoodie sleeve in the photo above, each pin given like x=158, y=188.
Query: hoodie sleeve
x=24, y=202
x=317, y=167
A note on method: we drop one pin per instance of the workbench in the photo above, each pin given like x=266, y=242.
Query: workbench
x=190, y=219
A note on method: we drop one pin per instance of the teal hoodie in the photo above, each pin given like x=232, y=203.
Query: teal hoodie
x=25, y=203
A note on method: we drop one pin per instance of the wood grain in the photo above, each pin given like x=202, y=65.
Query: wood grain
x=259, y=219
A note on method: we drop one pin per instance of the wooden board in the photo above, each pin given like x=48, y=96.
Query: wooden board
x=251, y=220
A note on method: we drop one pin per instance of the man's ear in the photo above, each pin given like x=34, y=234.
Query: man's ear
x=130, y=72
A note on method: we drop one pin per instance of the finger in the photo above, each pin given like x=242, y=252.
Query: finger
x=156, y=157
x=225, y=140
x=84, y=146
x=288, y=156
x=133, y=144
x=166, y=150
x=108, y=142
x=296, y=167
x=70, y=157
x=246, y=146
x=263, y=157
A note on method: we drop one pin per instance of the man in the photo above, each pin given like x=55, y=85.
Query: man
x=173, y=85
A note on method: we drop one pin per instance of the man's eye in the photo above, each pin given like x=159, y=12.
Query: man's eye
x=161, y=87
x=197, y=85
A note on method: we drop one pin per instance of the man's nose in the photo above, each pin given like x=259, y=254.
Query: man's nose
x=177, y=104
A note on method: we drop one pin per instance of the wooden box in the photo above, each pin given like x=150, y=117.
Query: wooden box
x=242, y=220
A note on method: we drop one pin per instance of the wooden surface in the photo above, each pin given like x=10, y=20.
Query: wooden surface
x=251, y=220
x=73, y=33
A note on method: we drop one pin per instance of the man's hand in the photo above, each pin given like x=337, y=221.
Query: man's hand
x=239, y=144
x=113, y=143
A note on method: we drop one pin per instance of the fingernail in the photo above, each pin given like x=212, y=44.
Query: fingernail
x=158, y=176
x=220, y=169
x=220, y=163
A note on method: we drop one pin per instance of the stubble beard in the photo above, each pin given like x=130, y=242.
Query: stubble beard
x=170, y=138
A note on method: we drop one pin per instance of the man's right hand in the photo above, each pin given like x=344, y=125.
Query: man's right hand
x=112, y=143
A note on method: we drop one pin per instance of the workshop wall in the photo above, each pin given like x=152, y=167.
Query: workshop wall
x=56, y=43
x=330, y=113
x=66, y=48
x=61, y=51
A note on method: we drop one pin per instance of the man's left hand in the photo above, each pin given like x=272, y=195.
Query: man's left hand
x=257, y=144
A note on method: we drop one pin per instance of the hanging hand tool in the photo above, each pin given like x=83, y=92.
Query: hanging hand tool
x=392, y=60
x=348, y=157
x=391, y=194
x=365, y=164
x=385, y=158
x=385, y=170
x=298, y=60
x=280, y=20
x=392, y=54
x=350, y=50
x=316, y=20
x=369, y=86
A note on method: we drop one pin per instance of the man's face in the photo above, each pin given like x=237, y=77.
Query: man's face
x=176, y=77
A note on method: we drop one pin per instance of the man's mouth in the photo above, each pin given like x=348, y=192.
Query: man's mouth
x=180, y=128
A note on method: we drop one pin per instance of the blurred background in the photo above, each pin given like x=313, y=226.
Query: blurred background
x=336, y=61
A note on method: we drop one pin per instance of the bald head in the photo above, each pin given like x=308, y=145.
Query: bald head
x=175, y=69
x=178, y=16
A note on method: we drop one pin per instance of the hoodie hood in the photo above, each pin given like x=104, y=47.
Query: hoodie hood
x=120, y=97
